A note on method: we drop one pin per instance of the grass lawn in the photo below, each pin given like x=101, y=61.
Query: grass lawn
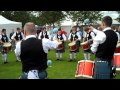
x=59, y=70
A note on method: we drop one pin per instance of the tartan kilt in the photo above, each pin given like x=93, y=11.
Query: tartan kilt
x=102, y=70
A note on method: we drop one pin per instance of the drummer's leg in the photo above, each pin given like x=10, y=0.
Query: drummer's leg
x=75, y=56
x=60, y=56
x=4, y=57
x=70, y=57
x=57, y=56
x=85, y=55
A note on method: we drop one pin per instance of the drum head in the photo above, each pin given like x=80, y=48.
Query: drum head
x=118, y=45
x=71, y=44
x=6, y=44
x=59, y=43
x=83, y=43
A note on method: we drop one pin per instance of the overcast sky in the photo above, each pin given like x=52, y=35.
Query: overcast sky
x=113, y=14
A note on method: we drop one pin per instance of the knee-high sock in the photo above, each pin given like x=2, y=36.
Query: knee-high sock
x=74, y=55
x=85, y=56
x=3, y=57
x=70, y=55
x=89, y=56
x=57, y=55
x=60, y=55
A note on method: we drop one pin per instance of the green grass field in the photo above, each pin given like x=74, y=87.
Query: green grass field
x=59, y=70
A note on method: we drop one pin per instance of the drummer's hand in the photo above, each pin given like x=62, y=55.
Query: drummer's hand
x=61, y=40
x=91, y=28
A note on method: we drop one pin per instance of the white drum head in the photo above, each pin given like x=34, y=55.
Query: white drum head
x=6, y=44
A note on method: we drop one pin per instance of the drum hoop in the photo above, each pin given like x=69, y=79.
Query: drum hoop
x=86, y=76
x=118, y=69
x=86, y=61
x=8, y=45
x=116, y=53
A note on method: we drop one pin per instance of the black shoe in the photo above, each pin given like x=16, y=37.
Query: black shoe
x=5, y=62
x=75, y=60
x=70, y=60
x=16, y=60
x=57, y=59
x=61, y=59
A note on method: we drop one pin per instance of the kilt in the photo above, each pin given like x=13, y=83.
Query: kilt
x=41, y=74
x=103, y=69
x=87, y=51
x=62, y=50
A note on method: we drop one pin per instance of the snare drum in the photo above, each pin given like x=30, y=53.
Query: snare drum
x=60, y=46
x=85, y=68
x=117, y=60
x=72, y=46
x=7, y=47
x=117, y=50
x=85, y=45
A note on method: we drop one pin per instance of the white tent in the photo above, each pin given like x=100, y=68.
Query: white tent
x=9, y=25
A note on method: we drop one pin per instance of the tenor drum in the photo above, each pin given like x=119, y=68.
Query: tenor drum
x=85, y=46
x=60, y=46
x=117, y=50
x=72, y=46
x=117, y=60
x=7, y=47
x=85, y=68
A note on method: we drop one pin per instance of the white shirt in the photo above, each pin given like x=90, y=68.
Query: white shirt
x=99, y=39
x=118, y=35
x=14, y=35
x=64, y=37
x=39, y=37
x=0, y=36
x=46, y=43
x=79, y=37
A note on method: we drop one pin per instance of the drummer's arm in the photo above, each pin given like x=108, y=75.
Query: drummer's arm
x=22, y=35
x=48, y=44
x=17, y=49
x=99, y=39
x=79, y=37
x=13, y=37
x=0, y=39
x=64, y=38
x=69, y=38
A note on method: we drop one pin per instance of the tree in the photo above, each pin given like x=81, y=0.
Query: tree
x=51, y=17
x=21, y=16
x=118, y=18
x=80, y=16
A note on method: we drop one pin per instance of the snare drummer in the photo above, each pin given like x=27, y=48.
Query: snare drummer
x=88, y=37
x=74, y=36
x=17, y=36
x=61, y=38
x=4, y=39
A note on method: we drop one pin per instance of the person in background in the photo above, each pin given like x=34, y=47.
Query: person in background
x=74, y=37
x=44, y=34
x=4, y=39
x=60, y=50
x=17, y=37
x=116, y=31
x=89, y=36
x=12, y=41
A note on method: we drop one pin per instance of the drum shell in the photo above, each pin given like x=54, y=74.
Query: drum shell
x=85, y=69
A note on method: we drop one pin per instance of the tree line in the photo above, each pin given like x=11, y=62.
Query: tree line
x=53, y=17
